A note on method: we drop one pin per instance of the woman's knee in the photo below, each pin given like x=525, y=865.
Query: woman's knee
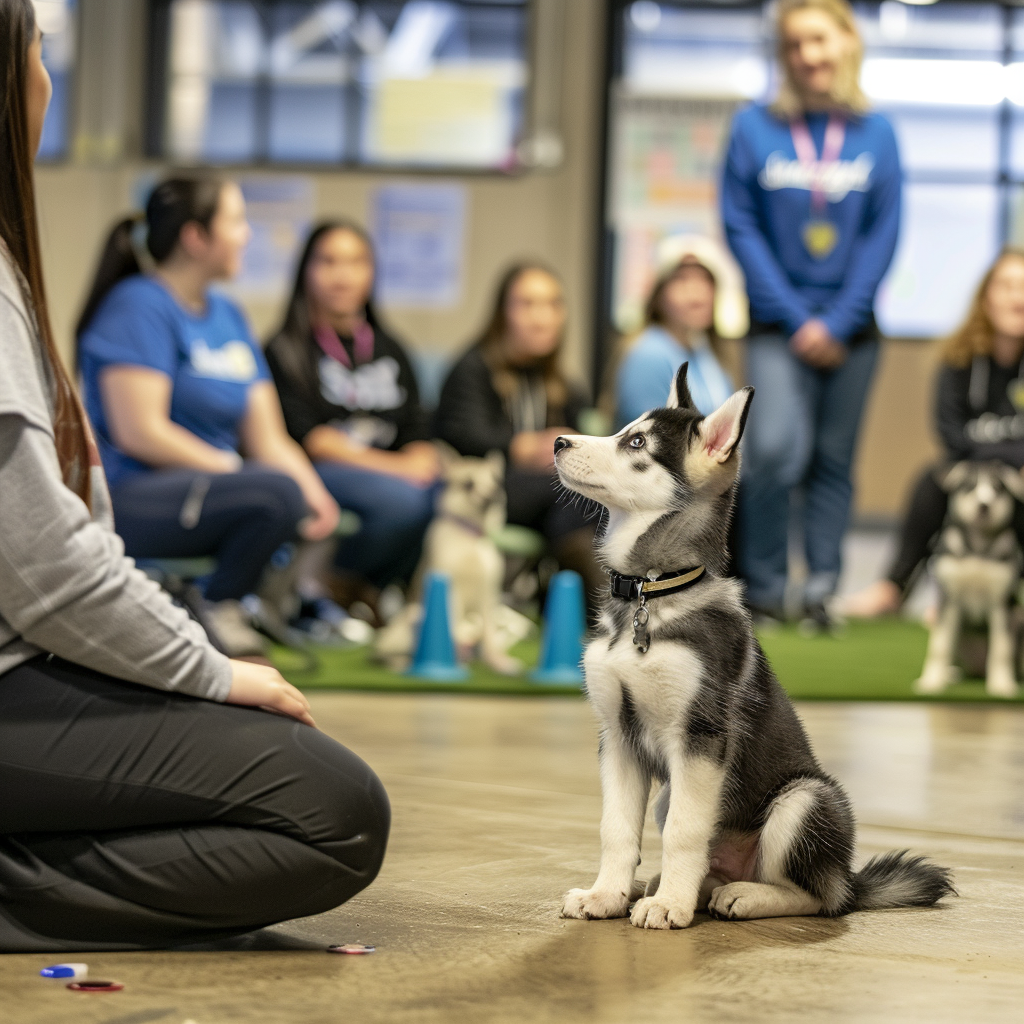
x=277, y=498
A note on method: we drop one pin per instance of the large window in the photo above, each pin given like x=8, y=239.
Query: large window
x=56, y=19
x=424, y=83
x=950, y=76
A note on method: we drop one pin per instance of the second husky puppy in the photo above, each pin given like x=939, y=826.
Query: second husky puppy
x=752, y=826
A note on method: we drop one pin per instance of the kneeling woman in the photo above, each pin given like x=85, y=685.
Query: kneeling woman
x=350, y=399
x=140, y=810
x=177, y=388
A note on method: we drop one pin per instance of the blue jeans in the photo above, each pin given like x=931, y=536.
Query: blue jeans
x=240, y=518
x=802, y=432
x=395, y=515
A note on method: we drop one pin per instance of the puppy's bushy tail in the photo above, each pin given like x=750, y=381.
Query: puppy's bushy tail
x=898, y=880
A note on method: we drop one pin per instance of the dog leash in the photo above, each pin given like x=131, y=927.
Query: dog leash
x=640, y=588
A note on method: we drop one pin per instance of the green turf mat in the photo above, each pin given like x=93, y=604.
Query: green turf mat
x=353, y=669
x=866, y=661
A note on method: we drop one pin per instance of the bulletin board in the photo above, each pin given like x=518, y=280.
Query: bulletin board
x=666, y=160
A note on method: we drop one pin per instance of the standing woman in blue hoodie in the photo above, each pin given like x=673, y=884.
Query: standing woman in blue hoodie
x=811, y=206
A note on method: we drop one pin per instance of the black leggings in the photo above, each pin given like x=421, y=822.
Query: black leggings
x=921, y=526
x=240, y=518
x=133, y=818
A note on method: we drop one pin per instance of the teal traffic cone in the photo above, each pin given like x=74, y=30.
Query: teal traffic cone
x=435, y=650
x=564, y=618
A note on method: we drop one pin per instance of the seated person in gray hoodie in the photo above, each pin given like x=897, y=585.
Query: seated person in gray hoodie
x=126, y=738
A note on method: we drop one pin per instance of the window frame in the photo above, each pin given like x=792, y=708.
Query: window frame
x=155, y=106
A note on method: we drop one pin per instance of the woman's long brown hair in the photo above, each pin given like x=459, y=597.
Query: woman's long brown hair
x=20, y=232
x=974, y=336
x=493, y=346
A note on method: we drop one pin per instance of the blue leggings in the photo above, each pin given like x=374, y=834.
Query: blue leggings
x=240, y=518
x=394, y=513
x=802, y=432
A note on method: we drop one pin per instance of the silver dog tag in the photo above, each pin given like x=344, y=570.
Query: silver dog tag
x=641, y=638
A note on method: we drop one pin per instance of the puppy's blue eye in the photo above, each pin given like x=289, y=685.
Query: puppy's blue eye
x=637, y=441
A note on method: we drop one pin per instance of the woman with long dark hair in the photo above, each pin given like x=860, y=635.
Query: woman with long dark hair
x=350, y=399
x=979, y=416
x=179, y=392
x=140, y=809
x=508, y=393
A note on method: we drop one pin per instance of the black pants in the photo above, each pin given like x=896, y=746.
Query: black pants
x=240, y=518
x=921, y=526
x=131, y=818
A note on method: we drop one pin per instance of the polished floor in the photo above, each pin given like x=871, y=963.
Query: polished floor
x=496, y=805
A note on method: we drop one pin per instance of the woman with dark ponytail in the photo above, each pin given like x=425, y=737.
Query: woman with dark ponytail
x=179, y=391
x=140, y=809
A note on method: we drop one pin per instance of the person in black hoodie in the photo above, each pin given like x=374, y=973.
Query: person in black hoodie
x=350, y=398
x=979, y=414
x=508, y=394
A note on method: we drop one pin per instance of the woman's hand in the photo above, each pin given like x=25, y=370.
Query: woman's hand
x=814, y=344
x=325, y=511
x=419, y=463
x=535, y=449
x=260, y=686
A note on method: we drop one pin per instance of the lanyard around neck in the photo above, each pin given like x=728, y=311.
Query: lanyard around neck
x=807, y=154
x=331, y=345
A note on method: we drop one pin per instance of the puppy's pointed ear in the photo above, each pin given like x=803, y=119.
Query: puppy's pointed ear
x=1013, y=481
x=496, y=461
x=950, y=479
x=679, y=393
x=722, y=430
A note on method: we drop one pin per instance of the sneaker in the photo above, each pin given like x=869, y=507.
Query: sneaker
x=818, y=620
x=232, y=630
x=325, y=622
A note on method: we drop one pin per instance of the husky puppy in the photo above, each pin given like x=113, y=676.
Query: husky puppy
x=752, y=826
x=458, y=542
x=977, y=565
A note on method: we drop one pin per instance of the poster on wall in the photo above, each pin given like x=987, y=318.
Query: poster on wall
x=667, y=153
x=419, y=234
x=280, y=211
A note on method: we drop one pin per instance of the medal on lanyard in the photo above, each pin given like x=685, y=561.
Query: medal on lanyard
x=820, y=234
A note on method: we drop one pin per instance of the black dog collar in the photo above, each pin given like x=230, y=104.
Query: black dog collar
x=629, y=588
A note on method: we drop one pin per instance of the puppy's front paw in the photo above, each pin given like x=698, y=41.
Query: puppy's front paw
x=504, y=664
x=595, y=905
x=654, y=912
x=935, y=679
x=1001, y=684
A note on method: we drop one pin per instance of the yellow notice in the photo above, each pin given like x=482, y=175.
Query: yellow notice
x=460, y=120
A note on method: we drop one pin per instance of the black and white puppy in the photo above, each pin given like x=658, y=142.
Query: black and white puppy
x=977, y=565
x=752, y=826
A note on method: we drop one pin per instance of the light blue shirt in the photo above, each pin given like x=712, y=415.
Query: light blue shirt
x=646, y=373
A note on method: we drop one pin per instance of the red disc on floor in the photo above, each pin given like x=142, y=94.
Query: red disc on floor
x=95, y=985
x=353, y=948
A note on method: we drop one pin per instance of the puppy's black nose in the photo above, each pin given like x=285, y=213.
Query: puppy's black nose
x=562, y=442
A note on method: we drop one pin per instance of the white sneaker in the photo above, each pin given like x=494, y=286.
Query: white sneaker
x=231, y=624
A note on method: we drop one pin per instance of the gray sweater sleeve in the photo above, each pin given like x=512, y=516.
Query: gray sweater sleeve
x=67, y=587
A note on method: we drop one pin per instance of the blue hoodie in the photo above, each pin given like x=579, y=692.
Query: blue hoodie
x=765, y=206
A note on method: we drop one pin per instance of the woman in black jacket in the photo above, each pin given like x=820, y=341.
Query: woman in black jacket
x=349, y=397
x=979, y=413
x=508, y=394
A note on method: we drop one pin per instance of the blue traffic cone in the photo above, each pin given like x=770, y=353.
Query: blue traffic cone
x=564, y=617
x=435, y=650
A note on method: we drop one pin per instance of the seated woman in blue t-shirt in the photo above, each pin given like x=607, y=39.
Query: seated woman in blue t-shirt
x=350, y=399
x=179, y=393
x=679, y=328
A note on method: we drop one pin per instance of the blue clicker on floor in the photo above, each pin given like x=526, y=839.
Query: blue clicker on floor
x=435, y=656
x=564, y=625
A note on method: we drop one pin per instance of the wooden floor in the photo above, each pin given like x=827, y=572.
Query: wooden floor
x=496, y=808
